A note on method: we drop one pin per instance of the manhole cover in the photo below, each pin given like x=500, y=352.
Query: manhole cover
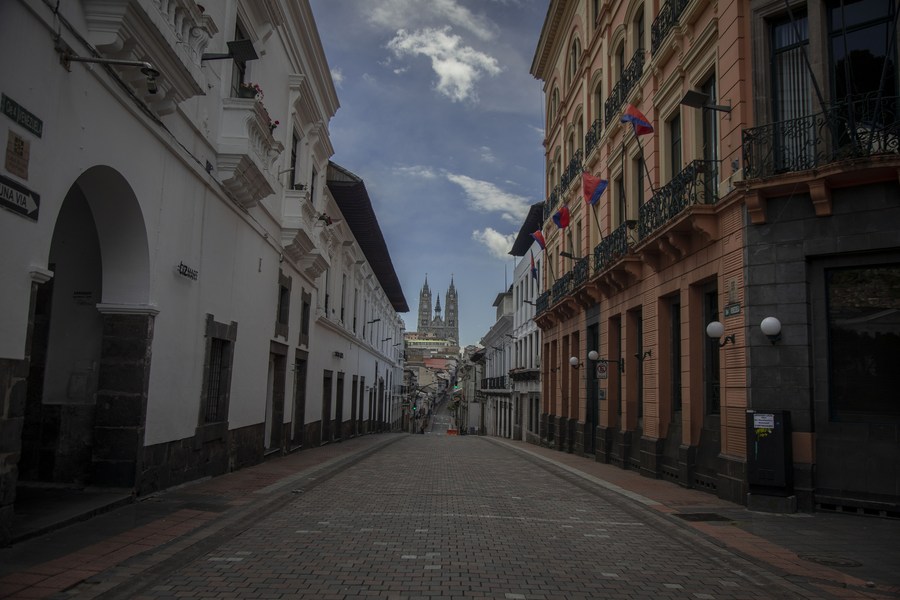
x=701, y=517
x=831, y=560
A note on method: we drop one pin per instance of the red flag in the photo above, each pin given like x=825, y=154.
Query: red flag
x=561, y=218
x=539, y=238
x=592, y=188
x=641, y=123
x=533, y=268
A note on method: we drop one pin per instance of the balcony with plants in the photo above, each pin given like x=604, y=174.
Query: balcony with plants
x=822, y=150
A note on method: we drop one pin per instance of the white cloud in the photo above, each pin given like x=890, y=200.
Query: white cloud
x=458, y=67
x=406, y=14
x=483, y=196
x=497, y=243
x=487, y=155
x=416, y=171
x=337, y=76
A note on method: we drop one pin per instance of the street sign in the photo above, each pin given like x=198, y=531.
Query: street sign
x=602, y=369
x=19, y=199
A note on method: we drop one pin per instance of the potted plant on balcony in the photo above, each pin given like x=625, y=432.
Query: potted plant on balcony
x=250, y=90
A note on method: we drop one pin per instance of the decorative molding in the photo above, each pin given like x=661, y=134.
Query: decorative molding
x=128, y=309
x=170, y=34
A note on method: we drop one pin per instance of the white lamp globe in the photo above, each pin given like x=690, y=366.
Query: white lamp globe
x=770, y=326
x=573, y=360
x=592, y=355
x=715, y=330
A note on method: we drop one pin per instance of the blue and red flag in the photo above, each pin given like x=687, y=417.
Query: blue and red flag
x=561, y=218
x=539, y=238
x=641, y=124
x=592, y=187
x=533, y=268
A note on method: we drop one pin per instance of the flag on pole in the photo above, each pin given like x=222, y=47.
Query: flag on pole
x=533, y=268
x=561, y=218
x=592, y=187
x=539, y=238
x=641, y=124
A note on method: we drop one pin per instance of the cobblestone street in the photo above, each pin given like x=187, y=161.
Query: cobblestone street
x=420, y=516
x=462, y=517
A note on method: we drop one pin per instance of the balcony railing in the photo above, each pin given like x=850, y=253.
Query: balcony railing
x=613, y=247
x=664, y=22
x=580, y=272
x=542, y=303
x=552, y=202
x=494, y=383
x=562, y=287
x=620, y=91
x=573, y=170
x=859, y=127
x=695, y=184
x=592, y=137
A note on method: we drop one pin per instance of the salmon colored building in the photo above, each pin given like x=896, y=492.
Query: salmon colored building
x=629, y=373
x=727, y=315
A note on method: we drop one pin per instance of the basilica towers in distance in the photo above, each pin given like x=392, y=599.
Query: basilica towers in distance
x=433, y=324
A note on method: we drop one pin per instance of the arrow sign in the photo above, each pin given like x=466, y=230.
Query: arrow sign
x=19, y=199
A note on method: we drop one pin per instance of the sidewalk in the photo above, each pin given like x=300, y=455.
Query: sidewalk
x=844, y=556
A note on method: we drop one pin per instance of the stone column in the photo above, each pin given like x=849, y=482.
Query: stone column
x=121, y=412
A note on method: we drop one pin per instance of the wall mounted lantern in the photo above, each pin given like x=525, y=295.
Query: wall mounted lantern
x=716, y=330
x=771, y=326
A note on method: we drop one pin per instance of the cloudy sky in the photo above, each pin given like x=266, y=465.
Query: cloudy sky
x=443, y=121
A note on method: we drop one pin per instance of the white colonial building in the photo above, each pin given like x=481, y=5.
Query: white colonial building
x=188, y=282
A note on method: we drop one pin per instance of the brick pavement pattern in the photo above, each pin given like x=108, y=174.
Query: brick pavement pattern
x=461, y=518
x=412, y=516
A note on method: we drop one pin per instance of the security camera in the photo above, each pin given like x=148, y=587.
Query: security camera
x=151, y=75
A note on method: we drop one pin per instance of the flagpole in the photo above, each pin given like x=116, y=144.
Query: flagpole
x=597, y=220
x=643, y=160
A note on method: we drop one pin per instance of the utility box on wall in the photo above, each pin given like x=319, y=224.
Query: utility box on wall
x=770, y=464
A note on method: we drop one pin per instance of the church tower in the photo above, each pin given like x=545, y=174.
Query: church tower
x=431, y=322
x=424, y=308
x=452, y=320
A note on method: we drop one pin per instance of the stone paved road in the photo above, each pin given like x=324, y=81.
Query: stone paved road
x=458, y=517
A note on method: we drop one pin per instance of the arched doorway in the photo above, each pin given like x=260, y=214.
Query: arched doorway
x=91, y=335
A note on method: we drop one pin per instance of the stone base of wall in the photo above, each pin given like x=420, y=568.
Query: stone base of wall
x=731, y=482
x=13, y=378
x=213, y=450
x=651, y=457
x=605, y=436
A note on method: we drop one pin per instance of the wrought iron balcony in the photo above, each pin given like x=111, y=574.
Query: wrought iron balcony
x=695, y=184
x=854, y=128
x=552, y=202
x=612, y=248
x=667, y=18
x=573, y=171
x=580, y=272
x=494, y=383
x=542, y=303
x=620, y=91
x=562, y=287
x=592, y=137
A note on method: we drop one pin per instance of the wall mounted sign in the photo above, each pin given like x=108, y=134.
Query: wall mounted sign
x=732, y=309
x=14, y=111
x=186, y=271
x=18, y=151
x=602, y=369
x=19, y=199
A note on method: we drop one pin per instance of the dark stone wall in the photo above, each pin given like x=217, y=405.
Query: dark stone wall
x=213, y=450
x=121, y=408
x=785, y=261
x=13, y=378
